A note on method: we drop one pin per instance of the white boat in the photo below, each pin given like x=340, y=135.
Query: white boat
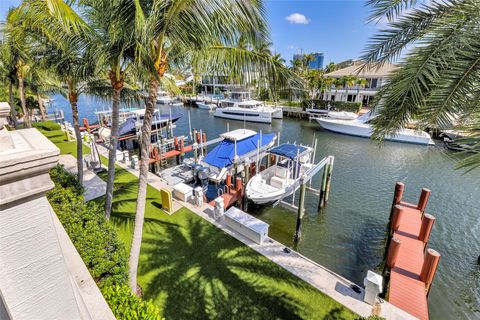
x=281, y=179
x=241, y=107
x=342, y=115
x=163, y=97
x=206, y=106
x=361, y=127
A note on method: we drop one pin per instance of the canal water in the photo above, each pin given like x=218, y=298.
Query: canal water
x=348, y=236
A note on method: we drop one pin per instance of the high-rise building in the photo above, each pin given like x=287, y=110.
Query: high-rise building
x=316, y=63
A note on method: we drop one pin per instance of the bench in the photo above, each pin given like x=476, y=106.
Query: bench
x=248, y=226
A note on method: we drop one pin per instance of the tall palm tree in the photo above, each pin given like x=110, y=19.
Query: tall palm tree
x=330, y=67
x=8, y=73
x=206, y=30
x=59, y=34
x=113, y=46
x=361, y=83
x=278, y=58
x=348, y=82
x=439, y=75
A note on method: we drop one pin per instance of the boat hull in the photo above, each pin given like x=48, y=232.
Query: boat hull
x=358, y=129
x=243, y=115
x=263, y=194
x=205, y=106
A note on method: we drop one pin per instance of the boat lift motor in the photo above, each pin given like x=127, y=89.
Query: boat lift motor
x=219, y=208
x=373, y=287
x=198, y=196
x=134, y=162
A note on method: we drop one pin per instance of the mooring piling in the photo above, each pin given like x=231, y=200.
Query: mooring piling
x=325, y=184
x=300, y=211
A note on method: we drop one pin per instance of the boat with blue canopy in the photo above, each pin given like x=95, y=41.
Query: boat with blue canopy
x=280, y=180
x=236, y=146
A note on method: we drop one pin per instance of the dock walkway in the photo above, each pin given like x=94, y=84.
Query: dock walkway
x=328, y=282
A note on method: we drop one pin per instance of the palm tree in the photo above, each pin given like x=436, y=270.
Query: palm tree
x=8, y=73
x=361, y=83
x=113, y=46
x=338, y=83
x=59, y=34
x=436, y=80
x=348, y=82
x=278, y=58
x=206, y=30
x=330, y=67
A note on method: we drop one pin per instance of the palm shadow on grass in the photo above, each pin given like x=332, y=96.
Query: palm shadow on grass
x=198, y=272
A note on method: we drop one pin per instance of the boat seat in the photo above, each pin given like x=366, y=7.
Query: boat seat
x=277, y=182
x=282, y=172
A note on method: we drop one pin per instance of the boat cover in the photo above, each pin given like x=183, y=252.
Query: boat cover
x=222, y=155
x=288, y=150
x=128, y=125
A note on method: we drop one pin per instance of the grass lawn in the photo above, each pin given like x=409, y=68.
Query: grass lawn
x=193, y=270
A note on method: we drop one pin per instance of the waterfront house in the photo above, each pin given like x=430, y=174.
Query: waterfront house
x=355, y=91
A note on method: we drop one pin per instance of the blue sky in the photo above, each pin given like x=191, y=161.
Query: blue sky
x=336, y=28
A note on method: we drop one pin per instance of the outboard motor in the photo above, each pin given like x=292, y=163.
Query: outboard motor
x=195, y=169
x=202, y=175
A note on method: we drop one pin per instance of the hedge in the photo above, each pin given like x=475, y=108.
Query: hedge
x=337, y=105
x=97, y=242
x=47, y=125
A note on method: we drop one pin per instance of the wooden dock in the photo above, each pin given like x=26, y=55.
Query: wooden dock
x=411, y=266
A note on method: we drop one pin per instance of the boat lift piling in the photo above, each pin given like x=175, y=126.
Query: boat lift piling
x=327, y=165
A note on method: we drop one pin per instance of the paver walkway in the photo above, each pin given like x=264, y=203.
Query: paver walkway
x=328, y=282
x=94, y=186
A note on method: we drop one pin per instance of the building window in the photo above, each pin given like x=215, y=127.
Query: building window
x=374, y=83
x=332, y=97
x=351, y=97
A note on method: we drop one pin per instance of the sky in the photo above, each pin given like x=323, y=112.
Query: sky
x=337, y=28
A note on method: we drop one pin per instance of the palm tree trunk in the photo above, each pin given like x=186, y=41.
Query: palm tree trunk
x=41, y=106
x=12, y=106
x=21, y=89
x=73, y=98
x=112, y=152
x=142, y=184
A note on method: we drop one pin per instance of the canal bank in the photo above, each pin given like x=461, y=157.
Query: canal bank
x=348, y=236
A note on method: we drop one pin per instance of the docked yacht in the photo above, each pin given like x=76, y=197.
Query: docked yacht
x=241, y=107
x=361, y=127
x=281, y=179
x=163, y=97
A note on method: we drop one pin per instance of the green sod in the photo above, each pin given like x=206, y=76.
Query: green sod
x=193, y=270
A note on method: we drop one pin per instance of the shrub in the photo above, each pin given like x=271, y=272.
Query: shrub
x=47, y=125
x=97, y=242
x=337, y=105
x=126, y=305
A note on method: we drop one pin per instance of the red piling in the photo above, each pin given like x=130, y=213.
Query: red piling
x=427, y=224
x=393, y=251
x=430, y=264
x=398, y=212
x=422, y=202
x=397, y=197
x=238, y=184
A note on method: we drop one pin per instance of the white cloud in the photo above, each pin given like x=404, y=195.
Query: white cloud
x=291, y=47
x=297, y=18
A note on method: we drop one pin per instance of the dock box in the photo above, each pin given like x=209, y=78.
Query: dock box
x=248, y=226
x=182, y=192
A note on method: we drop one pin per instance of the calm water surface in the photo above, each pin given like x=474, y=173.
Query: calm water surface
x=348, y=236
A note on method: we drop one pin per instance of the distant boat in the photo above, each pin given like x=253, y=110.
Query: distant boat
x=281, y=179
x=163, y=98
x=206, y=106
x=361, y=127
x=241, y=107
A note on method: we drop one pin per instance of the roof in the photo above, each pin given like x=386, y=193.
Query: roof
x=362, y=70
x=288, y=150
x=222, y=156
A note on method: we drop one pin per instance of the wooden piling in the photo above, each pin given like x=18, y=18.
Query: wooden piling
x=246, y=170
x=430, y=264
x=427, y=224
x=325, y=184
x=422, y=202
x=397, y=197
x=300, y=212
x=392, y=253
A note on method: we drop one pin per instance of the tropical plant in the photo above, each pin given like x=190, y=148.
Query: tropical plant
x=438, y=78
x=330, y=67
x=348, y=82
x=205, y=31
x=8, y=73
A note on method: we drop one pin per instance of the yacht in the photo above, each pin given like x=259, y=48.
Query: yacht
x=163, y=97
x=283, y=178
x=206, y=106
x=240, y=106
x=361, y=127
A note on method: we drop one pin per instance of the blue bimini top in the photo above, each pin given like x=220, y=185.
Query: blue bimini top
x=288, y=150
x=222, y=155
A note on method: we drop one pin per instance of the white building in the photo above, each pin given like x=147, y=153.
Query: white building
x=375, y=78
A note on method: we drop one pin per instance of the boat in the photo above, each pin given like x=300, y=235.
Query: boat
x=206, y=106
x=241, y=107
x=163, y=97
x=234, y=147
x=456, y=140
x=361, y=127
x=133, y=121
x=281, y=179
x=342, y=115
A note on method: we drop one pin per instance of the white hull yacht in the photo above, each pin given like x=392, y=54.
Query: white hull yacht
x=281, y=179
x=361, y=127
x=206, y=106
x=241, y=107
x=163, y=98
